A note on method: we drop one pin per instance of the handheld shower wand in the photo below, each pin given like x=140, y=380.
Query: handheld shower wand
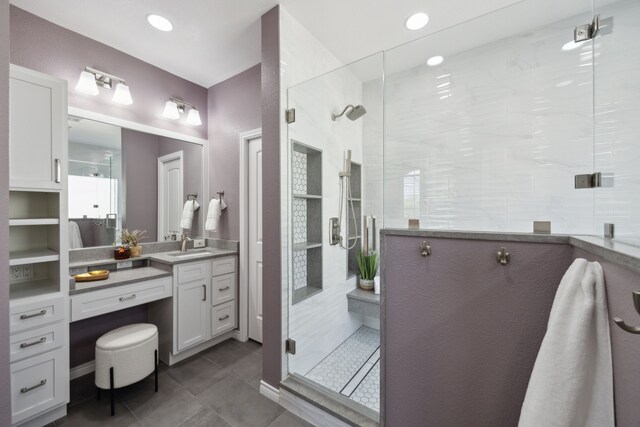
x=335, y=223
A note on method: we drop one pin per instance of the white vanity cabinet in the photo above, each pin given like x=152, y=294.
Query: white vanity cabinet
x=202, y=311
x=37, y=129
x=38, y=248
x=193, y=301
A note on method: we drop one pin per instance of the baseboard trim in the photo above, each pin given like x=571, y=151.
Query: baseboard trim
x=80, y=370
x=269, y=391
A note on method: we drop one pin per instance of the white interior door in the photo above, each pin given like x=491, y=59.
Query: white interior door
x=170, y=197
x=255, y=239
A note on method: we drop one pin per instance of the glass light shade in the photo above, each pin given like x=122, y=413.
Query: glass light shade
x=171, y=111
x=87, y=84
x=193, y=118
x=122, y=95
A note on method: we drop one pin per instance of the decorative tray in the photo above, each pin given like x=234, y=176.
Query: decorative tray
x=92, y=275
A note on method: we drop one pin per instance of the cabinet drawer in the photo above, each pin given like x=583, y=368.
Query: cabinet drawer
x=224, y=265
x=38, y=384
x=223, y=288
x=223, y=318
x=91, y=304
x=194, y=271
x=37, y=341
x=33, y=314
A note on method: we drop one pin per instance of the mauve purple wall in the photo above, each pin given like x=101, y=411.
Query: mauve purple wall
x=234, y=108
x=272, y=273
x=463, y=332
x=625, y=347
x=43, y=46
x=83, y=334
x=5, y=402
x=140, y=173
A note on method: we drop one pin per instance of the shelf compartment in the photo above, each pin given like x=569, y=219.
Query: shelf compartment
x=33, y=256
x=34, y=205
x=15, y=222
x=33, y=288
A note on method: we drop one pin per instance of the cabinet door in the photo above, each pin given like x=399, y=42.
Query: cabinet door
x=193, y=313
x=38, y=128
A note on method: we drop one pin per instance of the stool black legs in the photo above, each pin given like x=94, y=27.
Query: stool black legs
x=155, y=360
x=97, y=393
x=111, y=384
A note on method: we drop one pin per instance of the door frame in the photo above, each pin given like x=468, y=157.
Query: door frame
x=178, y=155
x=243, y=317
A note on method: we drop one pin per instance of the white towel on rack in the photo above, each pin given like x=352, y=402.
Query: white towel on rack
x=216, y=206
x=186, y=221
x=572, y=380
x=75, y=238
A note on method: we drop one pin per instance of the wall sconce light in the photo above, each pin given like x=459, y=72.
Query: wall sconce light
x=90, y=78
x=174, y=106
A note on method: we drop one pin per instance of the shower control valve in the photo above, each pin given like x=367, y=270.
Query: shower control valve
x=334, y=231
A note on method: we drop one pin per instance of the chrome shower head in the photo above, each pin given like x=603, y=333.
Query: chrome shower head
x=354, y=112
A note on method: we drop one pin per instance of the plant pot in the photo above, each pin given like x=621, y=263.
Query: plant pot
x=366, y=285
x=136, y=251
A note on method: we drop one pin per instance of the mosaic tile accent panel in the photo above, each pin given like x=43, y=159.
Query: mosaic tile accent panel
x=299, y=177
x=337, y=369
x=299, y=220
x=368, y=392
x=299, y=269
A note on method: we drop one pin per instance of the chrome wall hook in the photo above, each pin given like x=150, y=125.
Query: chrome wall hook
x=503, y=257
x=620, y=322
x=425, y=249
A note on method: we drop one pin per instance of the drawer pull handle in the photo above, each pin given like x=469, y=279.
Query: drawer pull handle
x=127, y=298
x=28, y=389
x=29, y=316
x=29, y=344
x=58, y=167
x=205, y=292
x=223, y=317
x=226, y=288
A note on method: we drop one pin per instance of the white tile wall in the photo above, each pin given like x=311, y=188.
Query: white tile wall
x=497, y=133
x=617, y=128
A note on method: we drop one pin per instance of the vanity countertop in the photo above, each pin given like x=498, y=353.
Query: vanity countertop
x=118, y=278
x=177, y=257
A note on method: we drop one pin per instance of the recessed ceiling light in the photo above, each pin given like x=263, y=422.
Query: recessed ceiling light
x=571, y=45
x=435, y=60
x=417, y=21
x=159, y=22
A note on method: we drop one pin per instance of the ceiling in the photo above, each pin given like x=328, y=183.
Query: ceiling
x=213, y=40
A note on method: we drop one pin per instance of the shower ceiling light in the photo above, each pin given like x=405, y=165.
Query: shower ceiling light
x=417, y=21
x=435, y=60
x=571, y=45
x=159, y=22
x=174, y=106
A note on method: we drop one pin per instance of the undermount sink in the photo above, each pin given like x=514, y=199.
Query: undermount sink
x=189, y=253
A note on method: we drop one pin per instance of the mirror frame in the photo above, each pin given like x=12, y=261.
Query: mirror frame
x=103, y=118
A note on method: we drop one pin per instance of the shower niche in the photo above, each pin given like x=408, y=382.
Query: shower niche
x=354, y=231
x=306, y=165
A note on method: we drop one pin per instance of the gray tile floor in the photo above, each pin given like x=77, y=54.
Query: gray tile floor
x=218, y=387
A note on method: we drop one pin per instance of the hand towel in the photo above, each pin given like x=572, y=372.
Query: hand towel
x=186, y=221
x=572, y=380
x=75, y=238
x=216, y=206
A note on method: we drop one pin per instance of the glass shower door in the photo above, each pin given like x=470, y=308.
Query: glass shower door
x=335, y=178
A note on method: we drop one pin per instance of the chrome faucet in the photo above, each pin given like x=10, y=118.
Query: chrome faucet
x=185, y=239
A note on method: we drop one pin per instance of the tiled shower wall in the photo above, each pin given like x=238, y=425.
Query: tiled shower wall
x=492, y=138
x=617, y=128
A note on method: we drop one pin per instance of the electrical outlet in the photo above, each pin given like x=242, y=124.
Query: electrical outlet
x=124, y=264
x=16, y=272
x=199, y=243
x=27, y=271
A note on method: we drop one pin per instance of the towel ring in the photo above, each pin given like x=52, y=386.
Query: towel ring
x=220, y=196
x=622, y=324
x=192, y=196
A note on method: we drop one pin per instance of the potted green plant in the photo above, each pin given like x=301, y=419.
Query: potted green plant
x=132, y=238
x=368, y=265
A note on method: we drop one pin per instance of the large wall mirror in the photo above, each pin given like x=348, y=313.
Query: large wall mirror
x=123, y=178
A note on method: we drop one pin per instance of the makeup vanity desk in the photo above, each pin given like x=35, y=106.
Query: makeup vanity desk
x=191, y=296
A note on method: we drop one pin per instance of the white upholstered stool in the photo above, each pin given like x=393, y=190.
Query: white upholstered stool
x=126, y=355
